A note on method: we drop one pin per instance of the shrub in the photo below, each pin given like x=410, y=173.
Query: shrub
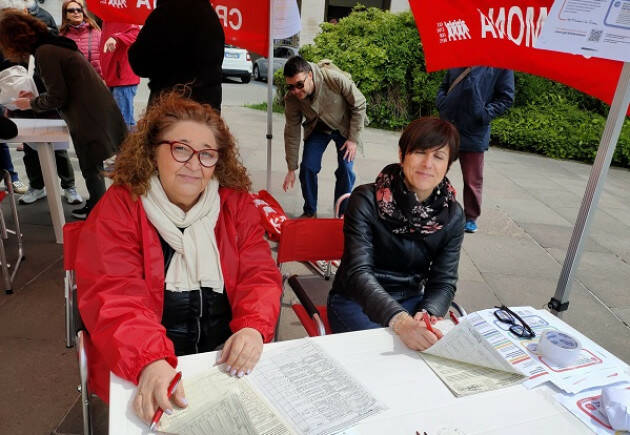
x=559, y=130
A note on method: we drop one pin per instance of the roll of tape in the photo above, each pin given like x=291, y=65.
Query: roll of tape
x=558, y=348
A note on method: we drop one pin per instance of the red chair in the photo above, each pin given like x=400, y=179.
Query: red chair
x=74, y=326
x=310, y=240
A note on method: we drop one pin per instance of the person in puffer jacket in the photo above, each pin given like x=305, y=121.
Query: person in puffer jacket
x=83, y=30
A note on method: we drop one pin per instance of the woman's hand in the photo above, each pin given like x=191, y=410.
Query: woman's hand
x=415, y=334
x=23, y=103
x=432, y=318
x=152, y=391
x=241, y=352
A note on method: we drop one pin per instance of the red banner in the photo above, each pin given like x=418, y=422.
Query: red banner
x=501, y=33
x=245, y=23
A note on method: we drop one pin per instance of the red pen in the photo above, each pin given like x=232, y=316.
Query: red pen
x=453, y=317
x=427, y=321
x=171, y=390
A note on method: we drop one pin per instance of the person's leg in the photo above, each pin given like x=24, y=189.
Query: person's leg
x=345, y=315
x=310, y=166
x=124, y=95
x=6, y=162
x=472, y=172
x=344, y=175
x=95, y=183
x=33, y=168
x=64, y=169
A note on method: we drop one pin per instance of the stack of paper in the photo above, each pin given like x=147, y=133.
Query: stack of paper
x=296, y=389
x=481, y=354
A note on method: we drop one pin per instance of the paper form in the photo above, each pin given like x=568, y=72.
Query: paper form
x=311, y=390
x=467, y=361
x=594, y=367
x=220, y=404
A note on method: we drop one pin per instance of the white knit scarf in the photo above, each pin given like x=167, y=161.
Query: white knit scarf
x=196, y=262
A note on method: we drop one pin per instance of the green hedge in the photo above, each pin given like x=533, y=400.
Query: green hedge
x=384, y=54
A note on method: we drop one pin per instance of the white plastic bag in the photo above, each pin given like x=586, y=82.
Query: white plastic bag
x=15, y=79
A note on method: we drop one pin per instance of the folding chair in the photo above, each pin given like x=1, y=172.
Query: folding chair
x=75, y=331
x=7, y=278
x=309, y=240
x=303, y=240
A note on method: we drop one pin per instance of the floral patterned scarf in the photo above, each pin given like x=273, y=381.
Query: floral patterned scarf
x=403, y=213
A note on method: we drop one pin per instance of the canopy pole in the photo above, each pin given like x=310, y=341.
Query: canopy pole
x=270, y=95
x=560, y=301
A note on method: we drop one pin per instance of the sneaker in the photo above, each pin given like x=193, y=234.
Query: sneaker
x=470, y=227
x=33, y=195
x=19, y=187
x=307, y=215
x=72, y=196
x=81, y=213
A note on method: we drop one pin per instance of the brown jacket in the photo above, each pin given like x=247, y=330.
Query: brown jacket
x=75, y=89
x=336, y=100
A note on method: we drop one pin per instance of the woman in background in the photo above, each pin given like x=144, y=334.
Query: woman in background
x=83, y=30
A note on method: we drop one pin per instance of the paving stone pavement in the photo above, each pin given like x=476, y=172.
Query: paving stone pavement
x=530, y=205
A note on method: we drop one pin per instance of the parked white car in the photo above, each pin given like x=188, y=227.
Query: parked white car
x=280, y=56
x=237, y=62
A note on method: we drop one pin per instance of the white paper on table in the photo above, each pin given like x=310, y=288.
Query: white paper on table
x=580, y=375
x=599, y=28
x=220, y=404
x=312, y=391
x=587, y=407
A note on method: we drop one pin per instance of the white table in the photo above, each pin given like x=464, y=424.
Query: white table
x=46, y=136
x=416, y=399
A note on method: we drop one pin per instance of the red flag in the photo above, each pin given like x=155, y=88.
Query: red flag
x=245, y=23
x=501, y=33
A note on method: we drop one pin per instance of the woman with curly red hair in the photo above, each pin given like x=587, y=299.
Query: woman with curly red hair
x=172, y=260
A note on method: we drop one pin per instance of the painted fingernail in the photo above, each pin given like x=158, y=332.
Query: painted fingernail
x=233, y=372
x=248, y=371
x=168, y=411
x=228, y=368
x=184, y=401
x=241, y=373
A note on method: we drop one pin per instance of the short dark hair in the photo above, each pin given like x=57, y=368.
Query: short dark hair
x=427, y=133
x=296, y=64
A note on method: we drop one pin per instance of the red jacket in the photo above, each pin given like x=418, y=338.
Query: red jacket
x=88, y=40
x=120, y=278
x=115, y=65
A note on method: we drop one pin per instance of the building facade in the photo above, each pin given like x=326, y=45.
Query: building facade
x=315, y=12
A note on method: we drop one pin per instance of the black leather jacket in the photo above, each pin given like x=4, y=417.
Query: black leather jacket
x=376, y=262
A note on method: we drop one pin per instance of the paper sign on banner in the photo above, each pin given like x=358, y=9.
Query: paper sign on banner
x=503, y=34
x=600, y=29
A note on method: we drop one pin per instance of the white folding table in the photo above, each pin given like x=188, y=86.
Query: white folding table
x=416, y=399
x=46, y=136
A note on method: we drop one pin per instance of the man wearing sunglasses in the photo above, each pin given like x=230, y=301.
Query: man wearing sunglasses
x=330, y=107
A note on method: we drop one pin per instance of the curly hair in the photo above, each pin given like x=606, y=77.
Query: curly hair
x=136, y=162
x=65, y=22
x=19, y=33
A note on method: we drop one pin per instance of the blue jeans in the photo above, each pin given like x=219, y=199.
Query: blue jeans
x=346, y=315
x=6, y=162
x=124, y=98
x=314, y=148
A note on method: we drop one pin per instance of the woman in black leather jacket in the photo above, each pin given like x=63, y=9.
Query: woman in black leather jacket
x=403, y=235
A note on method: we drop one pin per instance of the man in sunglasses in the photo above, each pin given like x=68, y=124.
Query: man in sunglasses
x=329, y=106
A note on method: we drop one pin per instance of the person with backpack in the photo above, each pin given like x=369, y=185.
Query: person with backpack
x=326, y=102
x=471, y=98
